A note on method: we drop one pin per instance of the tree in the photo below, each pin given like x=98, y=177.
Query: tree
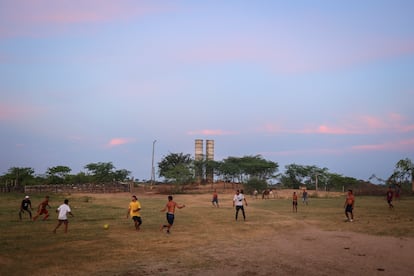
x=255, y=184
x=204, y=169
x=121, y=175
x=178, y=168
x=211, y=167
x=105, y=172
x=199, y=170
x=247, y=167
x=230, y=169
x=257, y=167
x=297, y=175
x=20, y=176
x=294, y=176
x=404, y=172
x=339, y=182
x=80, y=178
x=58, y=173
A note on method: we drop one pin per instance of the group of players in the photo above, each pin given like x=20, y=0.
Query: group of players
x=134, y=208
x=26, y=206
x=63, y=210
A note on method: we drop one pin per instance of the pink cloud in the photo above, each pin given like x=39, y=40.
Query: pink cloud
x=400, y=145
x=119, y=141
x=399, y=123
x=407, y=144
x=373, y=122
x=369, y=124
x=323, y=129
x=393, y=122
x=216, y=132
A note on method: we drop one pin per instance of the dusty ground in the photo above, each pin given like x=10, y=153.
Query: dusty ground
x=310, y=251
x=306, y=250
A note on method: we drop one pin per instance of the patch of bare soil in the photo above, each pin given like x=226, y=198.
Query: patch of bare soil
x=306, y=250
x=314, y=252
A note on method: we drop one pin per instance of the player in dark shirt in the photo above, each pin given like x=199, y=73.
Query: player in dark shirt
x=25, y=206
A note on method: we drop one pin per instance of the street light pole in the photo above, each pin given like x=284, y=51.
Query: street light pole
x=152, y=166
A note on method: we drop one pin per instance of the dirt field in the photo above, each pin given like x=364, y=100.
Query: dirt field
x=302, y=249
x=309, y=251
x=208, y=241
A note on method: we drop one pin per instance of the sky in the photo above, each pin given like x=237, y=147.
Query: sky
x=310, y=82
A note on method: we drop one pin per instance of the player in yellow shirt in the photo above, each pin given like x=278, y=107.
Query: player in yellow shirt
x=133, y=212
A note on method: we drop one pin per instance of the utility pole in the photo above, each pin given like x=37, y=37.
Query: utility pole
x=152, y=166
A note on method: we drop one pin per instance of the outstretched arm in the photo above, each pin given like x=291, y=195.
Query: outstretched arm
x=180, y=206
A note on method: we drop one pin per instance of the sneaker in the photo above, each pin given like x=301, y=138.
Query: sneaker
x=351, y=220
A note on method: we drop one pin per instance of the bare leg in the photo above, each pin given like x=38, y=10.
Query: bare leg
x=57, y=226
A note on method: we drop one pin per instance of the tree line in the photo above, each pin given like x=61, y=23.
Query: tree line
x=180, y=169
x=101, y=172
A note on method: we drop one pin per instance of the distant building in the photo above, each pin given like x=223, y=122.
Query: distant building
x=202, y=173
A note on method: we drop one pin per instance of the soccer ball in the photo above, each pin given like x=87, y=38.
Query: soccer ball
x=106, y=226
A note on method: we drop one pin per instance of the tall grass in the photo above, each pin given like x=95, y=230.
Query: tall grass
x=28, y=247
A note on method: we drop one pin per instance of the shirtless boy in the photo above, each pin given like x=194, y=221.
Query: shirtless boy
x=349, y=206
x=170, y=208
x=42, y=209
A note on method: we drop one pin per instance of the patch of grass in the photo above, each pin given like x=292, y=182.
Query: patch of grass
x=199, y=230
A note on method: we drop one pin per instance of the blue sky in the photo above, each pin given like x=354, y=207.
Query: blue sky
x=325, y=83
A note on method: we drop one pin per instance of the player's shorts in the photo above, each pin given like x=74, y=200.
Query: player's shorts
x=215, y=200
x=348, y=208
x=170, y=218
x=295, y=203
x=138, y=219
x=43, y=211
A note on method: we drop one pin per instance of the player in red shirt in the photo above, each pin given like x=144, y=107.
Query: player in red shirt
x=42, y=209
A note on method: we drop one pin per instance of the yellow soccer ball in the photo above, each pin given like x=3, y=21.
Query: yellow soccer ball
x=106, y=226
